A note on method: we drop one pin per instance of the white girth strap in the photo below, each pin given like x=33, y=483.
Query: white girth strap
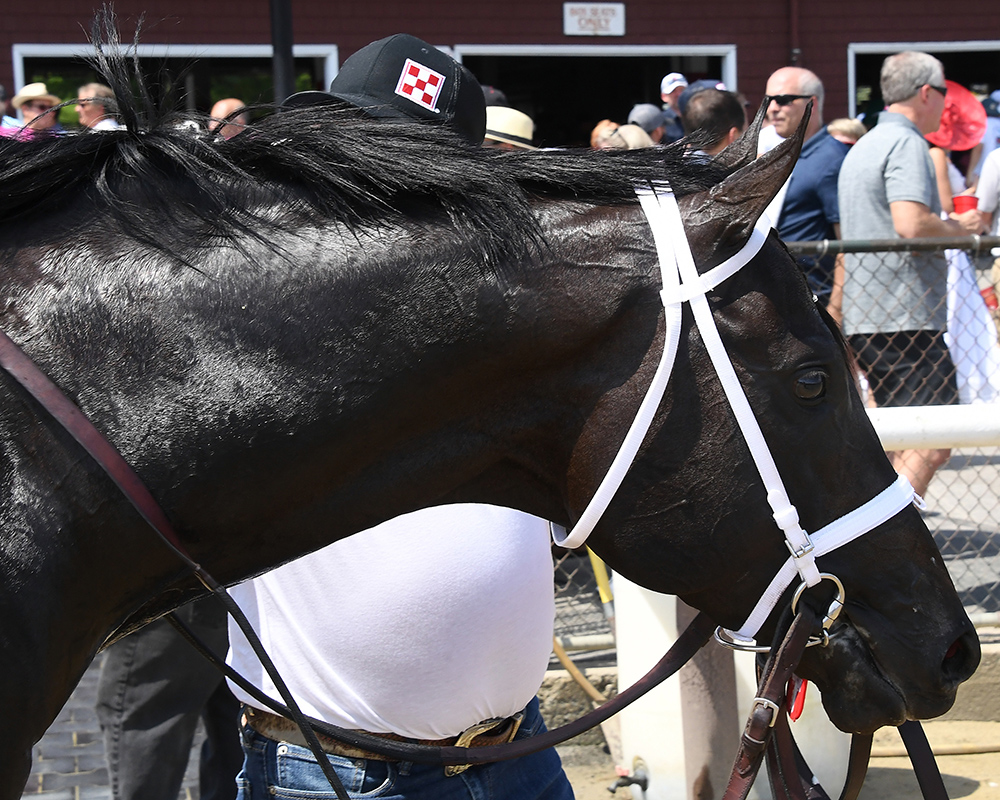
x=682, y=283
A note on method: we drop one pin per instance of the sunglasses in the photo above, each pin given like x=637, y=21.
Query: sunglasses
x=788, y=99
x=942, y=89
x=38, y=105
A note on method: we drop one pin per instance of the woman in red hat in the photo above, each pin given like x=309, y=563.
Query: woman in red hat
x=972, y=334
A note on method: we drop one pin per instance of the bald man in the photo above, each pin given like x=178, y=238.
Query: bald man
x=221, y=110
x=809, y=211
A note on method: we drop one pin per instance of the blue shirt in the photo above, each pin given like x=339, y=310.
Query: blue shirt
x=810, y=208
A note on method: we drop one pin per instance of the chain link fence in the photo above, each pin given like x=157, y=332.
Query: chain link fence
x=963, y=498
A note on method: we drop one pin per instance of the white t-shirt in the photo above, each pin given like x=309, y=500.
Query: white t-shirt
x=422, y=626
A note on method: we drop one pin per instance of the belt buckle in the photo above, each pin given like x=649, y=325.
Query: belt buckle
x=466, y=737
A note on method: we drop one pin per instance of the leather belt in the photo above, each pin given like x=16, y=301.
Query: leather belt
x=280, y=729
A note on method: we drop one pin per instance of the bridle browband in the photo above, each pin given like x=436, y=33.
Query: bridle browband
x=681, y=283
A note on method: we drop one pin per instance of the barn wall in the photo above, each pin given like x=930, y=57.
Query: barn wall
x=764, y=31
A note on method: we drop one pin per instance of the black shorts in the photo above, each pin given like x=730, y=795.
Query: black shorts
x=907, y=368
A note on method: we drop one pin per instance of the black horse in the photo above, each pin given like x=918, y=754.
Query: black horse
x=328, y=321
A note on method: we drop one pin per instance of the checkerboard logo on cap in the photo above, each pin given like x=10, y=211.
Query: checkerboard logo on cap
x=420, y=84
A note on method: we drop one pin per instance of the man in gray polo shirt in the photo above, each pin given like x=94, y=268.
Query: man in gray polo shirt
x=895, y=303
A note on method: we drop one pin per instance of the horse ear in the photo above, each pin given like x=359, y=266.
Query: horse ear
x=744, y=150
x=719, y=221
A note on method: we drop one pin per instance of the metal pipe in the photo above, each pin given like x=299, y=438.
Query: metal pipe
x=283, y=65
x=972, y=243
x=937, y=427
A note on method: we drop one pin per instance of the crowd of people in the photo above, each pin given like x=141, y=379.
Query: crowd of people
x=488, y=569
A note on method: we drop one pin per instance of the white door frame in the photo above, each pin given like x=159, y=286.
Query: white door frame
x=327, y=52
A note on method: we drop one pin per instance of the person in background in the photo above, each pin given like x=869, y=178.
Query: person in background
x=95, y=105
x=806, y=208
x=671, y=87
x=651, y=119
x=895, y=311
x=991, y=137
x=432, y=626
x=846, y=130
x=494, y=97
x=7, y=121
x=38, y=112
x=152, y=691
x=608, y=135
x=716, y=118
x=692, y=89
x=508, y=129
x=228, y=126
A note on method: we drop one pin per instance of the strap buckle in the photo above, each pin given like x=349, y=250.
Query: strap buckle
x=803, y=551
x=769, y=705
x=466, y=737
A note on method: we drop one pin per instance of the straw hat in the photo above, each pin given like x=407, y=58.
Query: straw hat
x=33, y=91
x=509, y=126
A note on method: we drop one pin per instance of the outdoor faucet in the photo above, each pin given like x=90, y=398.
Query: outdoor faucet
x=639, y=776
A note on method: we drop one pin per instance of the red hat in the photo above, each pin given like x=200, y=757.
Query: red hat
x=963, y=122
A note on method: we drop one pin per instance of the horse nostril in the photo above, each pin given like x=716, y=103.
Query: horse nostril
x=962, y=658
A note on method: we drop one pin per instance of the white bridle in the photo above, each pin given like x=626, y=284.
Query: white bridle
x=682, y=284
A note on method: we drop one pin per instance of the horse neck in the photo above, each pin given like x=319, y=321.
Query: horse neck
x=308, y=397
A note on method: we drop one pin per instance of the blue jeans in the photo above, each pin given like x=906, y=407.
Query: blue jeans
x=152, y=690
x=288, y=772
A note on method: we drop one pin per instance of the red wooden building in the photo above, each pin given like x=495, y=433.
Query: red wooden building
x=532, y=49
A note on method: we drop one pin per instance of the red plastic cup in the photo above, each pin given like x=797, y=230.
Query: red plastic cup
x=990, y=296
x=965, y=202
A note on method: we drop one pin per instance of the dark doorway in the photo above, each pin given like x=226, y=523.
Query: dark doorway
x=195, y=84
x=974, y=69
x=567, y=96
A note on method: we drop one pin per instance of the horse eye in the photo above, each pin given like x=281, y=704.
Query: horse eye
x=810, y=385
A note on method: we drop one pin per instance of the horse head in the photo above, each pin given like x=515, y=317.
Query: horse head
x=903, y=643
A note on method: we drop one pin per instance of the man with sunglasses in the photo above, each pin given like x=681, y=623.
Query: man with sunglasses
x=895, y=311
x=37, y=110
x=808, y=210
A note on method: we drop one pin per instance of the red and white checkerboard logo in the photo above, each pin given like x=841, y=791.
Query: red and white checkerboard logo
x=420, y=84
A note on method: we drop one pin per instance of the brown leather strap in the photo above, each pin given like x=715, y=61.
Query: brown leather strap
x=694, y=637
x=66, y=413
x=790, y=776
x=785, y=764
x=922, y=758
x=767, y=706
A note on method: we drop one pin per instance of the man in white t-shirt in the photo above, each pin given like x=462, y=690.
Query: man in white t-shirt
x=422, y=628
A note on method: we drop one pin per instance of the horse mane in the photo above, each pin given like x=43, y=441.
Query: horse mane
x=161, y=185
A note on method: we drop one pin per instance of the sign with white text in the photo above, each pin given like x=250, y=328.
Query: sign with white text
x=594, y=19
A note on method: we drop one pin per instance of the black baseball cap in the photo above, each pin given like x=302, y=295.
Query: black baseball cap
x=403, y=76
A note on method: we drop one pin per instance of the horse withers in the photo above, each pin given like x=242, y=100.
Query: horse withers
x=328, y=321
